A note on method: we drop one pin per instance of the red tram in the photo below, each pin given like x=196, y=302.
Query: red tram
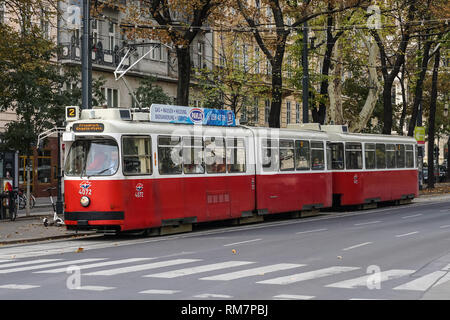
x=124, y=172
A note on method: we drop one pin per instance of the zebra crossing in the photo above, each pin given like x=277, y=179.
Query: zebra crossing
x=259, y=274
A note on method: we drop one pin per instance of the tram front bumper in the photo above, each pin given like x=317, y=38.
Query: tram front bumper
x=93, y=219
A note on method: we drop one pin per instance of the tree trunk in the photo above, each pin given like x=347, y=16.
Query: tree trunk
x=387, y=103
x=277, y=95
x=374, y=90
x=184, y=75
x=419, y=88
x=431, y=122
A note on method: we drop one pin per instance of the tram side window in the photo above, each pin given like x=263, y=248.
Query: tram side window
x=286, y=155
x=370, y=155
x=317, y=155
x=270, y=154
x=400, y=155
x=236, y=155
x=137, y=155
x=390, y=155
x=302, y=155
x=193, y=155
x=353, y=155
x=169, y=155
x=337, y=156
x=409, y=156
x=381, y=155
x=215, y=155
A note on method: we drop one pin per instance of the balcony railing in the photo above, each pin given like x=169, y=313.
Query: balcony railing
x=111, y=58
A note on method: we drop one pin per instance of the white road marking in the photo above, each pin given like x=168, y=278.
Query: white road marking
x=406, y=234
x=18, y=286
x=412, y=216
x=24, y=263
x=253, y=272
x=156, y=291
x=213, y=295
x=445, y=226
x=310, y=231
x=357, y=246
x=142, y=267
x=95, y=265
x=242, y=242
x=422, y=283
x=362, y=281
x=94, y=288
x=366, y=223
x=320, y=273
x=199, y=269
x=49, y=265
x=292, y=297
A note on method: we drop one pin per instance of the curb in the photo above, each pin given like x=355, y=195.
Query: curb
x=57, y=237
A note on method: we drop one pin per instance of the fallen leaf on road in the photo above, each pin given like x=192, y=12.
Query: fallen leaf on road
x=233, y=251
x=80, y=249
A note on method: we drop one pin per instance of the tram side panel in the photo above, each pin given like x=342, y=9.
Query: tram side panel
x=374, y=186
x=278, y=193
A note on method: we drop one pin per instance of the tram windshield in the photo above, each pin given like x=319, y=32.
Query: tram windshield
x=92, y=158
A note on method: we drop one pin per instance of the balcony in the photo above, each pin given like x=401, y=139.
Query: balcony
x=71, y=52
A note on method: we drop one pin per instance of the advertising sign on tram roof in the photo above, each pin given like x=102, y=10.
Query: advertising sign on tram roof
x=192, y=115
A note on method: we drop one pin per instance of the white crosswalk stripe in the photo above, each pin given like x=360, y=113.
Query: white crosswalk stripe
x=141, y=267
x=18, y=286
x=423, y=283
x=160, y=291
x=49, y=265
x=24, y=263
x=292, y=297
x=368, y=280
x=199, y=269
x=253, y=272
x=320, y=273
x=96, y=265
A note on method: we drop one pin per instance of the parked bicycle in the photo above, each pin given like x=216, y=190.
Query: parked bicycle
x=22, y=199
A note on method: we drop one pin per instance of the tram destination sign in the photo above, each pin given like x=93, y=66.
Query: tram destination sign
x=88, y=127
x=192, y=115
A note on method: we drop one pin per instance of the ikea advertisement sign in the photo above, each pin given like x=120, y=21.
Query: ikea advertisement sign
x=192, y=115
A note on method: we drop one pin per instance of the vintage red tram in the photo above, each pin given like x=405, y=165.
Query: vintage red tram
x=124, y=172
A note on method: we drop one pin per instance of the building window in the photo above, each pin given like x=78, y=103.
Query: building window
x=112, y=97
x=256, y=111
x=257, y=69
x=288, y=112
x=45, y=26
x=156, y=53
x=245, y=57
x=95, y=37
x=111, y=36
x=266, y=111
x=200, y=54
x=297, y=112
x=268, y=67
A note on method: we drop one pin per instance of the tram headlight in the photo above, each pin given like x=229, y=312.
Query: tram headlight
x=85, y=201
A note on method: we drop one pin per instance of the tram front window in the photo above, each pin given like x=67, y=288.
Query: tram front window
x=92, y=158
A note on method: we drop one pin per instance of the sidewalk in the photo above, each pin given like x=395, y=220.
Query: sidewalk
x=31, y=228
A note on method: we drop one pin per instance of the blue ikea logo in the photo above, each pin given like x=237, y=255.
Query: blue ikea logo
x=196, y=115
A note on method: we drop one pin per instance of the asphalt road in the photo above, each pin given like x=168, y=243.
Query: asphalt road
x=387, y=253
